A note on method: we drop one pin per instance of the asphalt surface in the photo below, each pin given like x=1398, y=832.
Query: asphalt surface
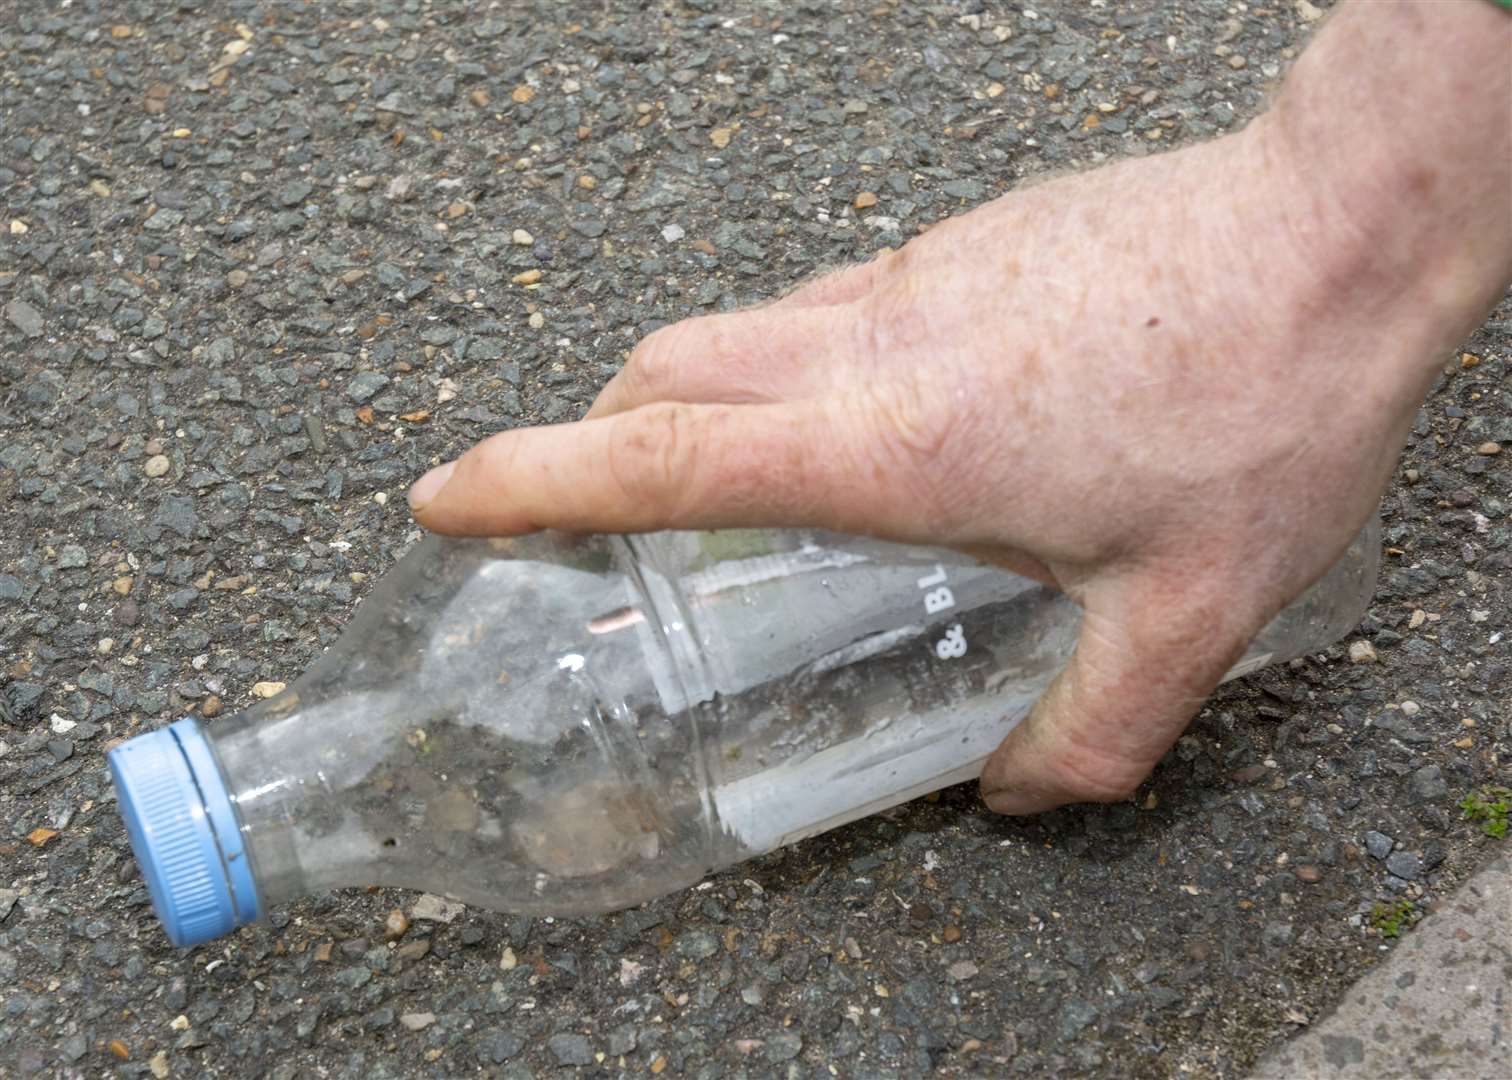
x=261, y=265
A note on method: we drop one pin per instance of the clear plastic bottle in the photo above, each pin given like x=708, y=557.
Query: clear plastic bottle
x=559, y=724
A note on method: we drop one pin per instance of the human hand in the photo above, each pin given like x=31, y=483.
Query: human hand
x=1161, y=386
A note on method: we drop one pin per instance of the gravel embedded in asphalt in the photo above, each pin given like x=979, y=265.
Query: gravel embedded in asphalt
x=265, y=262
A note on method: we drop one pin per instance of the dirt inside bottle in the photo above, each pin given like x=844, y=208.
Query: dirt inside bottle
x=564, y=725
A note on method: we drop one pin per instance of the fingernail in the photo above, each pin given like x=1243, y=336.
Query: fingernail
x=1014, y=803
x=995, y=798
x=429, y=486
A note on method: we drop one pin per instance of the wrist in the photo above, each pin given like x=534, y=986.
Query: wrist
x=1364, y=265
x=1388, y=157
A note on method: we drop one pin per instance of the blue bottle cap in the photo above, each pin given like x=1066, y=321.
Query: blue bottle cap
x=184, y=833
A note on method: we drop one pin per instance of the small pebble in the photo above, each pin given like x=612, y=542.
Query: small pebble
x=962, y=970
x=156, y=466
x=528, y=277
x=210, y=707
x=572, y=1049
x=236, y=278
x=418, y=1021
x=1362, y=652
x=413, y=950
x=1250, y=774
x=436, y=908
x=24, y=317
x=1488, y=449
x=267, y=689
x=536, y=320
x=395, y=925
x=865, y=200
x=521, y=238
x=1310, y=874
x=1404, y=864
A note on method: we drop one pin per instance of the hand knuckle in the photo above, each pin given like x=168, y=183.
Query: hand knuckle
x=654, y=455
x=655, y=362
x=898, y=315
x=920, y=443
x=909, y=418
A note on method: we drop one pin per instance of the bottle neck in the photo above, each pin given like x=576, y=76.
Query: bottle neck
x=267, y=801
x=292, y=808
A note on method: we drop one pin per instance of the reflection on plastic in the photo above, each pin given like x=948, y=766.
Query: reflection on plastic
x=566, y=724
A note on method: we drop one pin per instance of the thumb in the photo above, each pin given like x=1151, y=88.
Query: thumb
x=660, y=466
x=1148, y=655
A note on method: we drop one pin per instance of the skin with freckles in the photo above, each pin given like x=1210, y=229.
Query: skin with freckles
x=1173, y=387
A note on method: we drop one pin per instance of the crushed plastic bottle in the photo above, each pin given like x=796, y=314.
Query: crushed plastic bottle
x=559, y=725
